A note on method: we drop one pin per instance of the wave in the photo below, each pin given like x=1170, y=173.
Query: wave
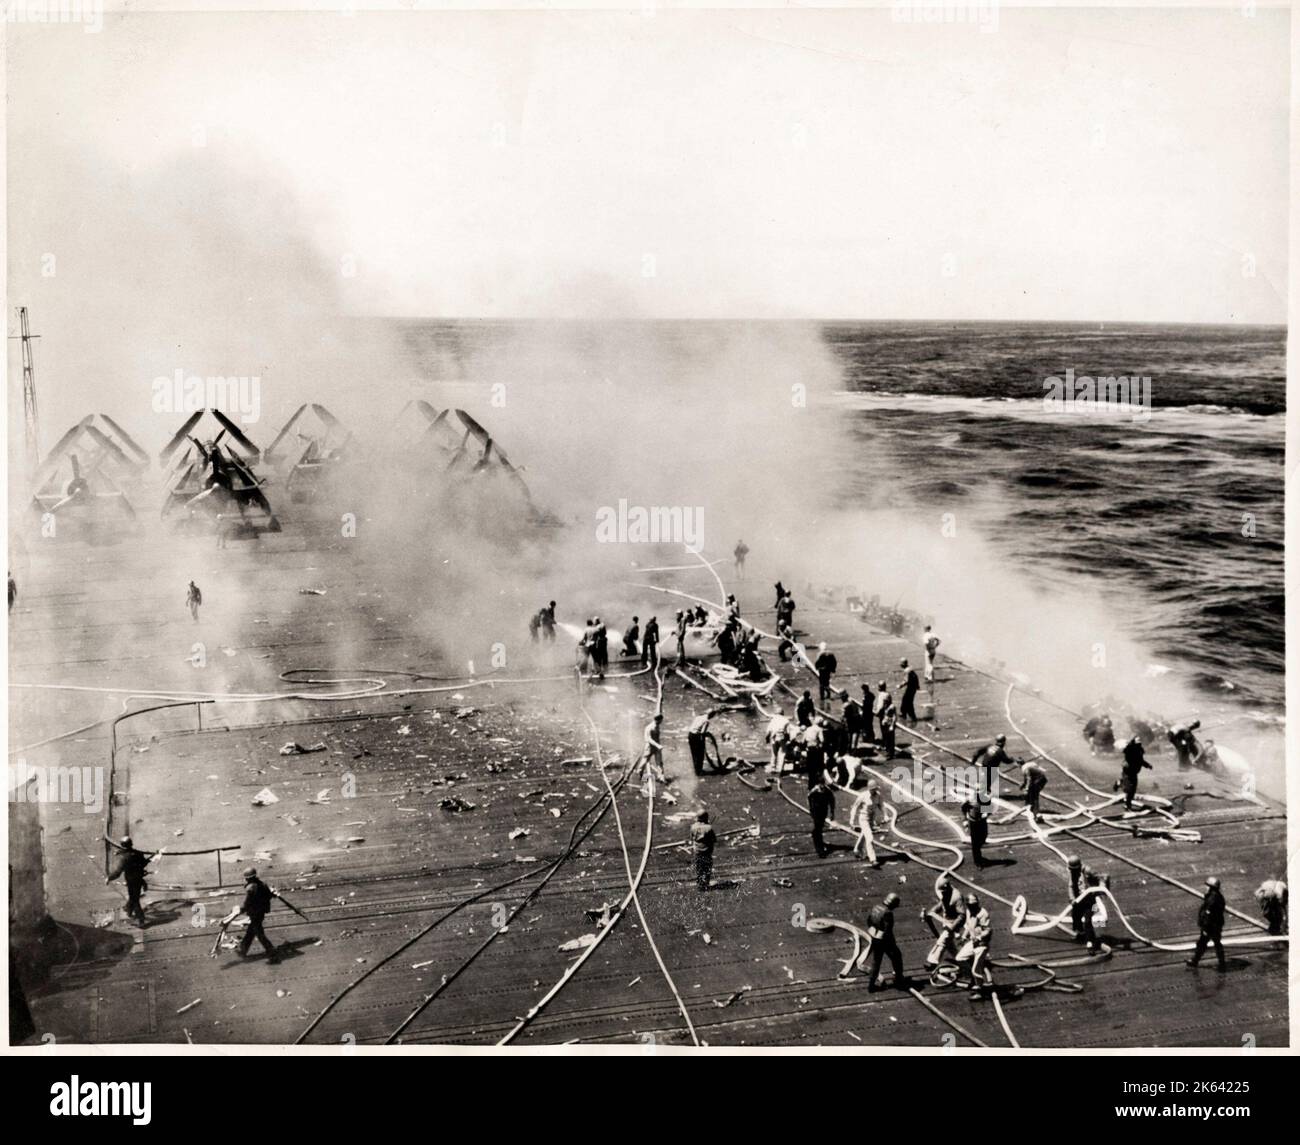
x=1196, y=418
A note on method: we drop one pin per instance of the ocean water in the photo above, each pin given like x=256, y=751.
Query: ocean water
x=955, y=413
x=1158, y=505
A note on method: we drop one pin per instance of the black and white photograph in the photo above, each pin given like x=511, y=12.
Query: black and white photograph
x=648, y=530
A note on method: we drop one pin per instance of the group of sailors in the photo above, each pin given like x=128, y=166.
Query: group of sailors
x=1150, y=735
x=826, y=750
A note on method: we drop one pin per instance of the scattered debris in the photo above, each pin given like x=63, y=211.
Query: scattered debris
x=295, y=748
x=520, y=832
x=465, y=713
x=189, y=1005
x=311, y=591
x=732, y=999
x=600, y=916
x=578, y=943
x=264, y=797
x=455, y=803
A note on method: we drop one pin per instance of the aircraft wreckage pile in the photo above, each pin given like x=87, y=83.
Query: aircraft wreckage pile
x=96, y=473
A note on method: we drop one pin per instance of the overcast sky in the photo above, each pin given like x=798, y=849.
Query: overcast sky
x=1069, y=165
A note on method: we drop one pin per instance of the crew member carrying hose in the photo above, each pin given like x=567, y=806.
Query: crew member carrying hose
x=946, y=920
x=973, y=957
x=131, y=866
x=698, y=738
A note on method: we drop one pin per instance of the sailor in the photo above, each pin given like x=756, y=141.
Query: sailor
x=1209, y=758
x=534, y=625
x=977, y=826
x=974, y=954
x=1077, y=881
x=785, y=613
x=1134, y=761
x=1100, y=734
x=911, y=685
x=547, y=617
x=931, y=643
x=825, y=666
x=852, y=717
x=1185, y=743
x=703, y=840
x=805, y=709
x=785, y=649
x=652, y=754
x=631, y=636
x=740, y=552
x=700, y=616
x=131, y=866
x=882, y=699
x=650, y=643
x=13, y=591
x=946, y=920
x=257, y=903
x=193, y=598
x=1271, y=895
x=1032, y=781
x=725, y=639
x=1093, y=910
x=733, y=608
x=814, y=751
x=880, y=926
x=1145, y=732
x=698, y=738
x=821, y=806
x=991, y=757
x=1210, y=920
x=888, y=725
x=868, y=713
x=586, y=650
x=680, y=631
x=780, y=594
x=600, y=649
x=865, y=817
x=778, y=737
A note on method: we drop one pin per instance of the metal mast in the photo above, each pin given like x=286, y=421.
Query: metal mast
x=31, y=422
